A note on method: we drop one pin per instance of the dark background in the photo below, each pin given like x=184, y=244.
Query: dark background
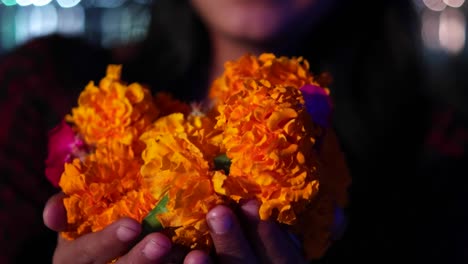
x=109, y=23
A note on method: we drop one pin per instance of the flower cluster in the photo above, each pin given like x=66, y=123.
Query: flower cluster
x=265, y=136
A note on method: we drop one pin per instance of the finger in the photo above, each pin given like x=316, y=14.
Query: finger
x=99, y=247
x=272, y=242
x=230, y=243
x=197, y=257
x=152, y=249
x=54, y=214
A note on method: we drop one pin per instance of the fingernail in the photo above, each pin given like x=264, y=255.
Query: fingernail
x=156, y=249
x=126, y=233
x=197, y=257
x=251, y=208
x=219, y=221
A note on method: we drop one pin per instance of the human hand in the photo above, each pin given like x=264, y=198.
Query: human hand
x=115, y=241
x=247, y=239
x=259, y=241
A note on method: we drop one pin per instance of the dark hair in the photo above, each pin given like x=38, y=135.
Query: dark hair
x=175, y=54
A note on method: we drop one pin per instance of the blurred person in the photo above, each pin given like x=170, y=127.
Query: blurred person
x=372, y=53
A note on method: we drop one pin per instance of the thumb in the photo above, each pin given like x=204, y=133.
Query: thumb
x=54, y=214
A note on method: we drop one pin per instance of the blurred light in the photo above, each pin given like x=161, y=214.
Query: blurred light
x=41, y=2
x=123, y=25
x=140, y=22
x=71, y=21
x=68, y=3
x=452, y=29
x=127, y=22
x=430, y=29
x=43, y=21
x=110, y=27
x=143, y=2
x=9, y=2
x=126, y=25
x=22, y=24
x=7, y=29
x=24, y=2
x=88, y=4
x=454, y=3
x=108, y=3
x=435, y=5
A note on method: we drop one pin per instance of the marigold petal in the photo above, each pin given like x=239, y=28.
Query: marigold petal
x=175, y=166
x=113, y=111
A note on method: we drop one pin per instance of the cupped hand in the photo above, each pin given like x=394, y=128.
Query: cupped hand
x=247, y=239
x=242, y=238
x=115, y=241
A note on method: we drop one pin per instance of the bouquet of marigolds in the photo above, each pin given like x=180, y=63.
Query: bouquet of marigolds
x=265, y=135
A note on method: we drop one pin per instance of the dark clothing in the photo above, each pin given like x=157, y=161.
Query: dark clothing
x=39, y=82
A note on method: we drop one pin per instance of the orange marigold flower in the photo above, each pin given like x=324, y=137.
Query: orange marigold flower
x=269, y=138
x=176, y=167
x=113, y=111
x=283, y=70
x=200, y=128
x=278, y=154
x=103, y=188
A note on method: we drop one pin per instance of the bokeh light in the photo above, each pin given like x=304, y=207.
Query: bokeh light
x=452, y=30
x=41, y=2
x=71, y=21
x=7, y=29
x=24, y=2
x=435, y=5
x=454, y=3
x=9, y=2
x=430, y=29
x=42, y=21
x=108, y=3
x=104, y=22
x=445, y=30
x=68, y=3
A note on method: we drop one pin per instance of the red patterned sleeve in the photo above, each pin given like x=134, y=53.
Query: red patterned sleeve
x=442, y=196
x=29, y=101
x=32, y=101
